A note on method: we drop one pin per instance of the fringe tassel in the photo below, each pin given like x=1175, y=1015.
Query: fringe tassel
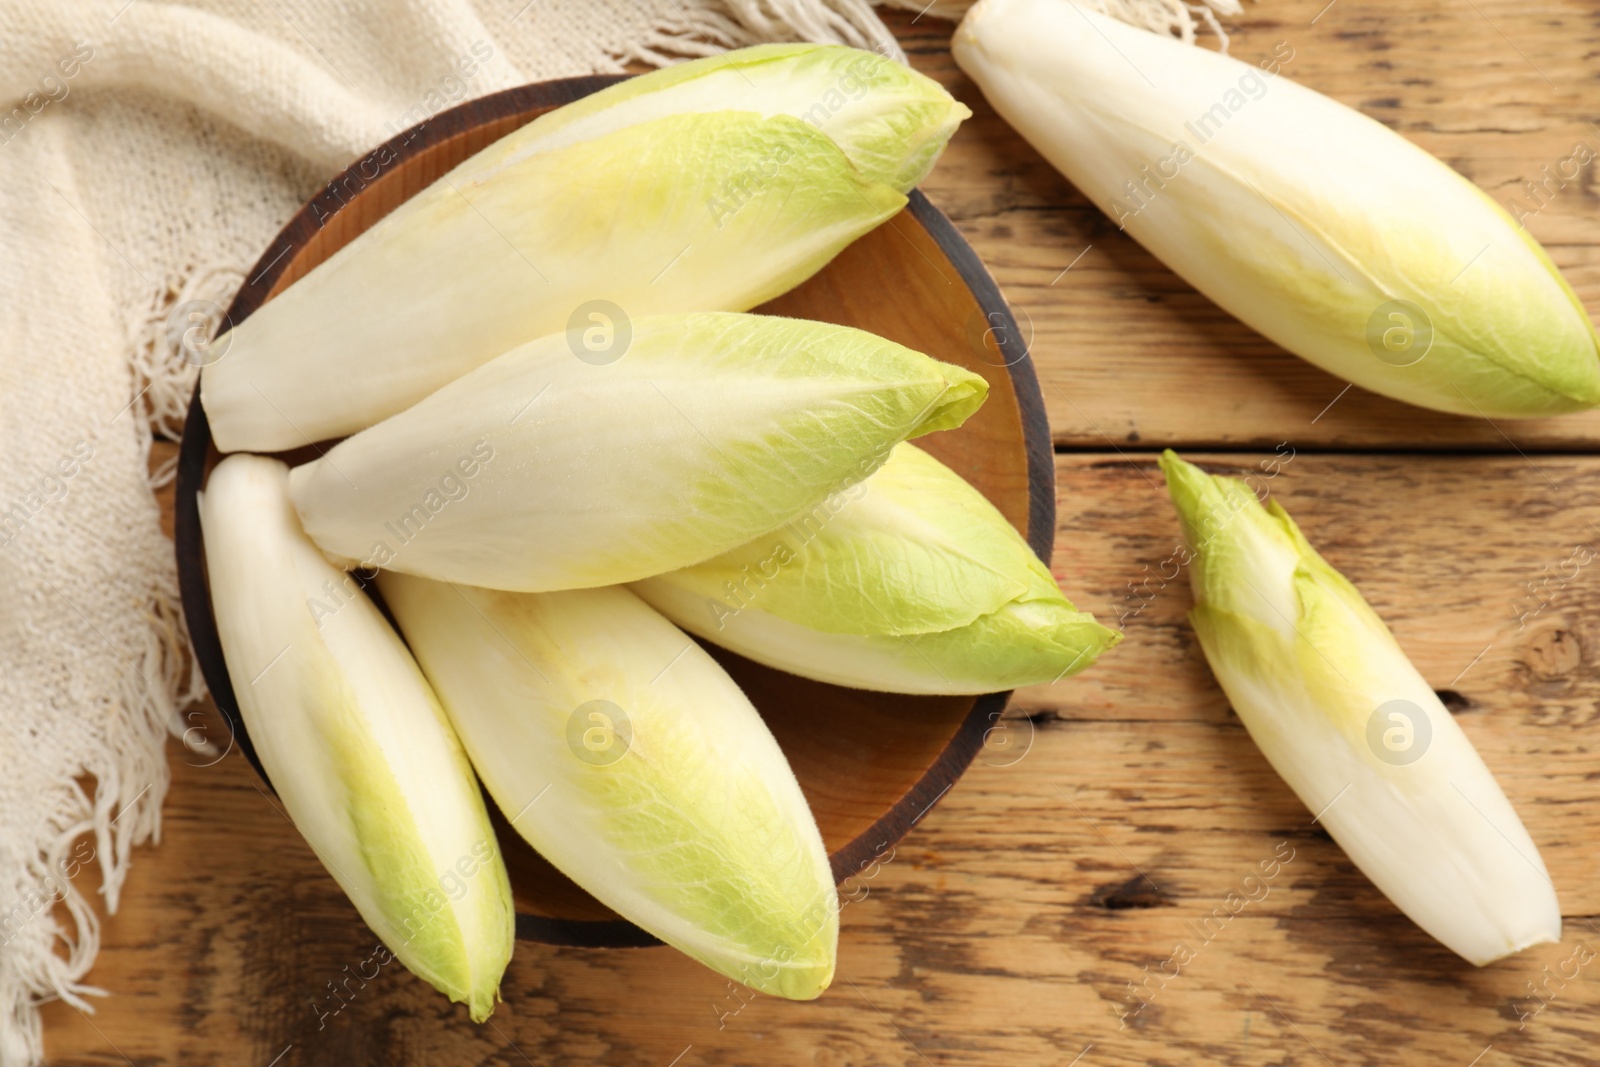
x=698, y=30
x=171, y=335
x=46, y=958
x=1175, y=18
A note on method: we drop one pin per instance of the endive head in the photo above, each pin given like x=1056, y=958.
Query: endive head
x=1353, y=727
x=714, y=185
x=709, y=430
x=1243, y=555
x=629, y=759
x=354, y=741
x=910, y=581
x=706, y=211
x=1250, y=562
x=1319, y=227
x=890, y=121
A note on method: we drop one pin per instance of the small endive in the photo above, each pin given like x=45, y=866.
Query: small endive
x=539, y=471
x=628, y=758
x=1317, y=226
x=908, y=582
x=1354, y=729
x=712, y=186
x=354, y=741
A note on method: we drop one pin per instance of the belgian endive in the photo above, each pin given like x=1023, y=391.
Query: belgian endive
x=629, y=759
x=890, y=121
x=1319, y=227
x=538, y=471
x=714, y=185
x=354, y=741
x=909, y=582
x=1354, y=729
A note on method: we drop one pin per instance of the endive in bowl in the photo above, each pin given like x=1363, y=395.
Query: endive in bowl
x=870, y=764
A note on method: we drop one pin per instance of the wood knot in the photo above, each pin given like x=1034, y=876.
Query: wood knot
x=1553, y=653
x=1136, y=892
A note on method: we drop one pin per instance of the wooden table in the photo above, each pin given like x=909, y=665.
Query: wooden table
x=1006, y=929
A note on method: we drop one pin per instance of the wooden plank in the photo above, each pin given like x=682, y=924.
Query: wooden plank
x=1006, y=929
x=1129, y=352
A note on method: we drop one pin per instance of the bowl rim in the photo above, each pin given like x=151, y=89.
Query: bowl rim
x=959, y=751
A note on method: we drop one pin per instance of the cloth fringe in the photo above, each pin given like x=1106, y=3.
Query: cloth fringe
x=701, y=31
x=48, y=958
x=1172, y=17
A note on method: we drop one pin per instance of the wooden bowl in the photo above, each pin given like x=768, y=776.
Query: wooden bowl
x=871, y=764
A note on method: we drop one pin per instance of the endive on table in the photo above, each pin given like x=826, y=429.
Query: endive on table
x=354, y=741
x=714, y=428
x=711, y=186
x=629, y=759
x=1353, y=728
x=1317, y=226
x=909, y=582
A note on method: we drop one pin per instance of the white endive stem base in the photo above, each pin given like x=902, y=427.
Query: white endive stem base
x=1438, y=837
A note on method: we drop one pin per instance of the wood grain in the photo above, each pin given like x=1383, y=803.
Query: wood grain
x=1115, y=810
x=1121, y=806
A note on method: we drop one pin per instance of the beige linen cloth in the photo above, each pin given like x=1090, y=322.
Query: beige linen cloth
x=148, y=152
